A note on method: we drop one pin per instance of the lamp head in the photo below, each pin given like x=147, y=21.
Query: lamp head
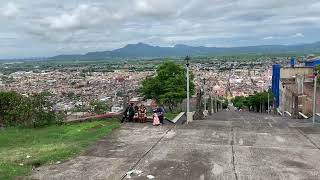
x=187, y=59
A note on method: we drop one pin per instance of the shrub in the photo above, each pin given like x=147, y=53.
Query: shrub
x=19, y=110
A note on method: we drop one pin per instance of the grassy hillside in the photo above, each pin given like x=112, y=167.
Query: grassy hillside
x=22, y=149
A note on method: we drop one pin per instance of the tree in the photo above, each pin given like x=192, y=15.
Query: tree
x=18, y=110
x=256, y=101
x=168, y=86
x=239, y=101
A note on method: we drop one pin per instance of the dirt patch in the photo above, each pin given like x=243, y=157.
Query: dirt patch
x=180, y=170
x=36, y=164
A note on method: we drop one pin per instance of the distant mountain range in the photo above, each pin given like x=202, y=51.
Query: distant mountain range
x=142, y=50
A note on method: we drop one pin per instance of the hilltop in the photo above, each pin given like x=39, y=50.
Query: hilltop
x=141, y=50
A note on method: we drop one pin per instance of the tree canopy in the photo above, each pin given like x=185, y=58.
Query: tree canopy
x=169, y=85
x=18, y=110
x=254, y=101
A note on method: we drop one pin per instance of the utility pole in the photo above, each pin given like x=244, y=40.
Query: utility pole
x=204, y=94
x=211, y=99
x=125, y=101
x=268, y=102
x=216, y=103
x=283, y=106
x=314, y=96
x=189, y=115
x=188, y=95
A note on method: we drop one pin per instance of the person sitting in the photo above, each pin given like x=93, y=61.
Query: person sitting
x=125, y=114
x=136, y=113
x=142, y=114
x=131, y=112
x=160, y=113
x=156, y=121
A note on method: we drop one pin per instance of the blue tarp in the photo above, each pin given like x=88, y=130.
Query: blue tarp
x=276, y=82
x=312, y=63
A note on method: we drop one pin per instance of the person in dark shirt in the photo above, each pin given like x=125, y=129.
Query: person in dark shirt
x=160, y=113
x=125, y=114
x=131, y=112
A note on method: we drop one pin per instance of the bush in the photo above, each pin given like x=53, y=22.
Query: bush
x=18, y=110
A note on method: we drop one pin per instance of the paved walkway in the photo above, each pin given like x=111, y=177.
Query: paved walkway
x=227, y=146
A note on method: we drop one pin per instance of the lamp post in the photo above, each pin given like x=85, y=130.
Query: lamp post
x=216, y=88
x=314, y=96
x=189, y=116
x=282, y=100
x=204, y=94
x=216, y=103
x=211, y=99
x=269, y=90
x=268, y=101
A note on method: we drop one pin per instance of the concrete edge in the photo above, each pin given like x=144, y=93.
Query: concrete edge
x=287, y=112
x=182, y=119
x=177, y=117
x=303, y=115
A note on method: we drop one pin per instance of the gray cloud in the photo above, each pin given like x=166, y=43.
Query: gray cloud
x=9, y=10
x=78, y=26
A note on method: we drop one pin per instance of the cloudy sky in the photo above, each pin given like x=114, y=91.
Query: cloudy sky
x=49, y=27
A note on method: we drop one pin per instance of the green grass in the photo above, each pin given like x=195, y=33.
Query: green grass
x=170, y=115
x=46, y=145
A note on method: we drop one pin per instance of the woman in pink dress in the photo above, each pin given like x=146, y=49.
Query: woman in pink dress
x=156, y=121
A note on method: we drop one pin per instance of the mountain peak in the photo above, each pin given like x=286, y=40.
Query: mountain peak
x=140, y=44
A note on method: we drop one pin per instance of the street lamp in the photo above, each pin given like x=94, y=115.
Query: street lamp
x=189, y=116
x=282, y=100
x=211, y=99
x=268, y=100
x=204, y=94
x=216, y=88
x=314, y=96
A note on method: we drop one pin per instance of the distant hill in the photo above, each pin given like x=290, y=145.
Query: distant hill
x=142, y=50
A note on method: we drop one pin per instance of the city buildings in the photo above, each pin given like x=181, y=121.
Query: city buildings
x=75, y=87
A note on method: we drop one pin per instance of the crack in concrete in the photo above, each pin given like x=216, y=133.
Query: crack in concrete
x=145, y=154
x=309, y=139
x=233, y=153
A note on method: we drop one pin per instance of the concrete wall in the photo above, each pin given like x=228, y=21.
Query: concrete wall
x=308, y=91
x=183, y=105
x=305, y=101
x=286, y=98
x=289, y=72
x=296, y=96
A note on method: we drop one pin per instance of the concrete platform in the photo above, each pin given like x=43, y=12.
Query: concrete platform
x=228, y=145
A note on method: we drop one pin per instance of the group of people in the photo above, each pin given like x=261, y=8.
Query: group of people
x=135, y=113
